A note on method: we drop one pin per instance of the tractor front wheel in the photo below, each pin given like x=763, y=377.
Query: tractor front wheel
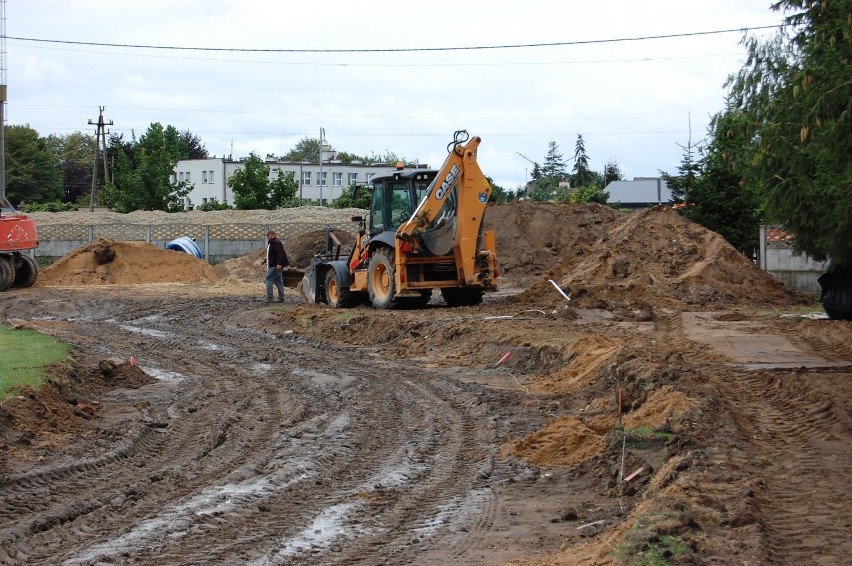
x=381, y=280
x=337, y=295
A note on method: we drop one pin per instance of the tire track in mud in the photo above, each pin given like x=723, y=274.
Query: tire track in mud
x=186, y=457
x=188, y=446
x=790, y=447
x=268, y=449
x=794, y=431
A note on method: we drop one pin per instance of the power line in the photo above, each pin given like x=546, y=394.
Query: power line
x=399, y=50
x=503, y=117
x=405, y=65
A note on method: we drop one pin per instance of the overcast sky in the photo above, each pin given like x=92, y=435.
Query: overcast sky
x=632, y=101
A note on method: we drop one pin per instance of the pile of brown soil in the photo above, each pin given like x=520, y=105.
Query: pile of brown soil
x=656, y=258
x=534, y=236
x=108, y=262
x=45, y=420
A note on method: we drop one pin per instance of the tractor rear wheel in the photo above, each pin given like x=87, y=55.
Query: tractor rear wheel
x=455, y=297
x=381, y=278
x=27, y=272
x=337, y=295
x=7, y=273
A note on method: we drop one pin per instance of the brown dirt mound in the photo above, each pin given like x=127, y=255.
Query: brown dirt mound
x=563, y=442
x=588, y=354
x=107, y=262
x=44, y=419
x=534, y=236
x=662, y=405
x=302, y=249
x=657, y=258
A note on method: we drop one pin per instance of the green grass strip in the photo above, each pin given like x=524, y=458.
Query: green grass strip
x=23, y=356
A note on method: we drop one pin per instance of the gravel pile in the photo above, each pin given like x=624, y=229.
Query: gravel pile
x=305, y=214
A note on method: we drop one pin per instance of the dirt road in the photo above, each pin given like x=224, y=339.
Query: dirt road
x=253, y=445
x=679, y=409
x=261, y=442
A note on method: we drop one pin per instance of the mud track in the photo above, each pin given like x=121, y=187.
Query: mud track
x=263, y=445
x=255, y=447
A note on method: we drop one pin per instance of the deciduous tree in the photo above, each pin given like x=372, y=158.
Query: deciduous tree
x=307, y=149
x=75, y=154
x=347, y=200
x=282, y=190
x=143, y=180
x=32, y=171
x=250, y=184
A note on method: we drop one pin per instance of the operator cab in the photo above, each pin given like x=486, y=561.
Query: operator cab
x=6, y=208
x=396, y=196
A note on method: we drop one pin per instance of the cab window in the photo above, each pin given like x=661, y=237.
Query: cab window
x=400, y=204
x=377, y=208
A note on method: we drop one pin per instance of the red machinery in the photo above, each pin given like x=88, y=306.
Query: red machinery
x=17, y=234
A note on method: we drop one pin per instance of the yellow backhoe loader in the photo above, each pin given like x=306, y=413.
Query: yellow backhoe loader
x=425, y=231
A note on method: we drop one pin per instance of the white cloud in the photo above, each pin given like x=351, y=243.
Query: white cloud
x=630, y=100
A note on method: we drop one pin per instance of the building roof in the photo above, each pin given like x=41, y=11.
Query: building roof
x=777, y=235
x=647, y=191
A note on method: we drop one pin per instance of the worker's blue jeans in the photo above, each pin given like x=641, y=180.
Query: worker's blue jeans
x=275, y=276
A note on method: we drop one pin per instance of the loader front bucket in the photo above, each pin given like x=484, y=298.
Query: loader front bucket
x=293, y=277
x=307, y=285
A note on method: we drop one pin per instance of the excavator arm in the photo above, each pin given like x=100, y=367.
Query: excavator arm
x=454, y=207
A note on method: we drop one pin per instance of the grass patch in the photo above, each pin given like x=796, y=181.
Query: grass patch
x=791, y=311
x=641, y=545
x=23, y=356
x=344, y=316
x=643, y=436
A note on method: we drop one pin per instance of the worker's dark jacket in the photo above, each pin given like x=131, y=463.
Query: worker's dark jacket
x=275, y=254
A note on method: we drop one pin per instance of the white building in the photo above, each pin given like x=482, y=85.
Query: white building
x=641, y=192
x=209, y=177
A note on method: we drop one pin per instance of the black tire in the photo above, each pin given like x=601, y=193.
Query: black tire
x=27, y=272
x=381, y=278
x=421, y=301
x=7, y=273
x=336, y=295
x=455, y=297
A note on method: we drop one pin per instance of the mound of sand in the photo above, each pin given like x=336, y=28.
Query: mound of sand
x=563, y=442
x=108, y=262
x=656, y=258
x=568, y=441
x=534, y=236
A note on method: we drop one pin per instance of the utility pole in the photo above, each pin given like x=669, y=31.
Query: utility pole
x=2, y=98
x=100, y=135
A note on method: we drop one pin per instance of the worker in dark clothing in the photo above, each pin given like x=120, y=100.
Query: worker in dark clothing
x=276, y=261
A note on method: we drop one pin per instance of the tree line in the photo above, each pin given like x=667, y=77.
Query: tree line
x=779, y=151
x=553, y=181
x=57, y=172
